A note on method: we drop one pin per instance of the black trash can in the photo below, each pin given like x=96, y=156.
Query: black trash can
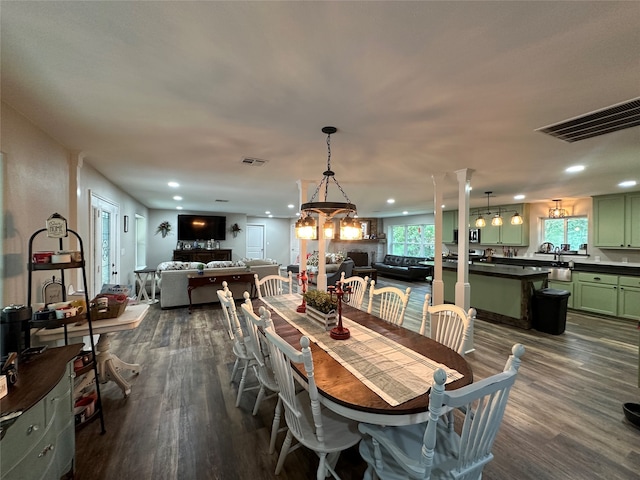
x=550, y=310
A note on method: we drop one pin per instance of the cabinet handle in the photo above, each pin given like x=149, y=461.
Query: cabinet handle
x=596, y=278
x=46, y=450
x=32, y=428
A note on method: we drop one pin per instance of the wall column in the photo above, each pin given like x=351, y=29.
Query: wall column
x=463, y=288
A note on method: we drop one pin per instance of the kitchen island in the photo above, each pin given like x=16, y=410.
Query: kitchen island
x=499, y=293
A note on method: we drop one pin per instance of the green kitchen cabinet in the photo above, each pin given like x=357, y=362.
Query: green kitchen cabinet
x=616, y=221
x=568, y=286
x=596, y=293
x=629, y=297
x=449, y=224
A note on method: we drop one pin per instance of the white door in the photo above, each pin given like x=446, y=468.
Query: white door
x=105, y=242
x=255, y=241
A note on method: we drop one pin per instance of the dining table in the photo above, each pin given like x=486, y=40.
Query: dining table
x=381, y=375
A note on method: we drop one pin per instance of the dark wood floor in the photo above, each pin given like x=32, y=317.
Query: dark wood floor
x=564, y=419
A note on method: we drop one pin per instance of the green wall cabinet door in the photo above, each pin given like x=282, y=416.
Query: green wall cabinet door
x=616, y=221
x=629, y=297
x=449, y=224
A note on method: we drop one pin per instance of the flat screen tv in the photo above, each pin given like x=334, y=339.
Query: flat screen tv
x=202, y=227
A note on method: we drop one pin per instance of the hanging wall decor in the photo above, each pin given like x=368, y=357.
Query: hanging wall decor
x=164, y=228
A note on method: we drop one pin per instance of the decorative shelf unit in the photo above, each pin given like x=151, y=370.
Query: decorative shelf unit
x=92, y=367
x=202, y=255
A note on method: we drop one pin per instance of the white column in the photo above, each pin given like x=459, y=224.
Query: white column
x=463, y=289
x=437, y=285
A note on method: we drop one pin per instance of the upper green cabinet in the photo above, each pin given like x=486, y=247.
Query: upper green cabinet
x=507, y=234
x=616, y=221
x=449, y=224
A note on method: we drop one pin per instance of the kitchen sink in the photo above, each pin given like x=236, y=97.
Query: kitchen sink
x=560, y=274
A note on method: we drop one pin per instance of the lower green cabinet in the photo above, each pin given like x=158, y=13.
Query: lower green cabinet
x=597, y=293
x=629, y=297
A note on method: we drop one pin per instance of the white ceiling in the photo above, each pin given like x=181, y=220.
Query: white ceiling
x=159, y=91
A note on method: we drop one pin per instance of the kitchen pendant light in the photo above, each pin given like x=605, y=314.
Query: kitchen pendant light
x=557, y=211
x=348, y=226
x=516, y=219
x=496, y=221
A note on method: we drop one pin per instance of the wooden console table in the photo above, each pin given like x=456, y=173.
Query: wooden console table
x=202, y=255
x=195, y=280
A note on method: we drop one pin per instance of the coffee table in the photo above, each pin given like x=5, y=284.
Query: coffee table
x=372, y=273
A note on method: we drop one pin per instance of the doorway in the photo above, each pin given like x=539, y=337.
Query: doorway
x=105, y=242
x=255, y=241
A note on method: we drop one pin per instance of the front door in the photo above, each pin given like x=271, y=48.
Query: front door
x=105, y=240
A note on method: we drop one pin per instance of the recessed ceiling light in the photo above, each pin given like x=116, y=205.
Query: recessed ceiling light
x=178, y=207
x=173, y=184
x=519, y=197
x=267, y=212
x=628, y=183
x=290, y=205
x=270, y=216
x=442, y=206
x=405, y=213
x=575, y=168
x=297, y=214
x=391, y=200
x=177, y=197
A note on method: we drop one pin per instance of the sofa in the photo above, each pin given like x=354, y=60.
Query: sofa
x=333, y=271
x=406, y=268
x=173, y=280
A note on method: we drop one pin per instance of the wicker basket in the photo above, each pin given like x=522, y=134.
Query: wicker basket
x=115, y=307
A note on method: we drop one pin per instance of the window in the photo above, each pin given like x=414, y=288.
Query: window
x=412, y=240
x=567, y=230
x=141, y=242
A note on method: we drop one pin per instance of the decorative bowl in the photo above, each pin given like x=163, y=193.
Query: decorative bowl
x=632, y=412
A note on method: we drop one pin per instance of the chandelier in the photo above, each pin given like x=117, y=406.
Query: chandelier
x=496, y=221
x=557, y=211
x=306, y=226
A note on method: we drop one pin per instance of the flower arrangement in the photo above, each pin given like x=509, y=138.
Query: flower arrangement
x=235, y=228
x=320, y=300
x=164, y=228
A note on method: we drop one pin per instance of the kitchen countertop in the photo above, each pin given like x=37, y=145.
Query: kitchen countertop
x=497, y=270
x=610, y=268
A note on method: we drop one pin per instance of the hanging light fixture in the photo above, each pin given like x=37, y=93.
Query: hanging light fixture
x=516, y=219
x=557, y=211
x=349, y=227
x=496, y=221
x=480, y=221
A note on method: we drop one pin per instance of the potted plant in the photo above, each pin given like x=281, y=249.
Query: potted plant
x=164, y=228
x=321, y=307
x=235, y=229
x=200, y=268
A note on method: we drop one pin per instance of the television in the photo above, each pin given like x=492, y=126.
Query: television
x=201, y=227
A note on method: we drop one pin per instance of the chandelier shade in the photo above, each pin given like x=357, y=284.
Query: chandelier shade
x=557, y=211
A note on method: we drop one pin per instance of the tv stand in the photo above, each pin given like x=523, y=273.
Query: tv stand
x=202, y=255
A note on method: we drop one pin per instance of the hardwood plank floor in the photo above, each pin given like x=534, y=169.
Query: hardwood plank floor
x=564, y=419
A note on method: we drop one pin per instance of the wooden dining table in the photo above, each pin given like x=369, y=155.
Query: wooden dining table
x=342, y=392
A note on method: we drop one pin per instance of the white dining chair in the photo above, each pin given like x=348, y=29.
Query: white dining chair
x=315, y=427
x=358, y=289
x=433, y=450
x=392, y=303
x=222, y=298
x=263, y=368
x=272, y=285
x=244, y=357
x=447, y=324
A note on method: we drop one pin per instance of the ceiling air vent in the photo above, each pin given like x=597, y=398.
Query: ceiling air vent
x=256, y=162
x=610, y=119
x=218, y=200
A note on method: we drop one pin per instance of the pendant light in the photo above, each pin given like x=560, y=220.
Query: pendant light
x=349, y=227
x=516, y=219
x=480, y=221
x=557, y=211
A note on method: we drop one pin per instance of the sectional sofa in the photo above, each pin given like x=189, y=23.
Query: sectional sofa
x=406, y=268
x=173, y=280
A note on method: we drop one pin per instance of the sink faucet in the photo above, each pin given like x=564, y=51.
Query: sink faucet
x=557, y=255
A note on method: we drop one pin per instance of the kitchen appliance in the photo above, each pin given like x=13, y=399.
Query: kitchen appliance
x=474, y=235
x=14, y=329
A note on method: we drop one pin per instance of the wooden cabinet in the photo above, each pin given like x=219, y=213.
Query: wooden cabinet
x=41, y=441
x=616, y=221
x=449, y=224
x=507, y=234
x=629, y=297
x=202, y=255
x=597, y=293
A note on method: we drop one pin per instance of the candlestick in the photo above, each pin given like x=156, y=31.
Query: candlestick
x=339, y=332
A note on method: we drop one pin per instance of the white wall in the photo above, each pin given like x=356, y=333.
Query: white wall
x=35, y=184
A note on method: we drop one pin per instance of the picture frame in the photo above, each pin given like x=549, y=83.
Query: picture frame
x=126, y=223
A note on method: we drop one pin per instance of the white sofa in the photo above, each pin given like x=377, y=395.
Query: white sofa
x=174, y=282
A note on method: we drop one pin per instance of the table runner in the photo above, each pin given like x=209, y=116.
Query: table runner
x=393, y=371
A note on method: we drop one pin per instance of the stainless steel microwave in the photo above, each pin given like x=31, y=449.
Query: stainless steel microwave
x=474, y=235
